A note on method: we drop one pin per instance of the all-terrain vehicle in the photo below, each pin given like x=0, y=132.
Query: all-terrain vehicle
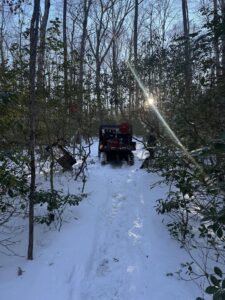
x=115, y=143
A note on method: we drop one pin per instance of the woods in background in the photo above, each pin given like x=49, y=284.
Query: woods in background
x=63, y=71
x=81, y=67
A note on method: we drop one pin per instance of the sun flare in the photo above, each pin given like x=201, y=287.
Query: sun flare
x=151, y=102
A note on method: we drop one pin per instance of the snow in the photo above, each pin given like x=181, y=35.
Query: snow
x=113, y=246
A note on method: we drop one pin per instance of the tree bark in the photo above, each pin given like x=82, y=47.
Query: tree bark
x=135, y=31
x=223, y=36
x=216, y=40
x=41, y=55
x=98, y=90
x=86, y=10
x=114, y=63
x=187, y=48
x=135, y=41
x=32, y=110
x=2, y=37
x=114, y=74
x=65, y=53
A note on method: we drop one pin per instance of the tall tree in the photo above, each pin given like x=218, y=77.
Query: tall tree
x=216, y=38
x=86, y=10
x=32, y=112
x=115, y=68
x=2, y=56
x=118, y=15
x=186, y=29
x=98, y=48
x=65, y=52
x=136, y=6
x=223, y=35
x=41, y=54
x=135, y=45
x=103, y=37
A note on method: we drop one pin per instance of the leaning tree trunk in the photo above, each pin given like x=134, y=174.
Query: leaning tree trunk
x=32, y=109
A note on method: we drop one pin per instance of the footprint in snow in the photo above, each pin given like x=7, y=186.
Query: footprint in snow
x=103, y=268
x=117, y=203
x=119, y=196
x=129, y=180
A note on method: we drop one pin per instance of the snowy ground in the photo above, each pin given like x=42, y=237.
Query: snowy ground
x=113, y=247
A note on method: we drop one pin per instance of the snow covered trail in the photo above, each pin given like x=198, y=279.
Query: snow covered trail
x=132, y=251
x=115, y=264
x=115, y=249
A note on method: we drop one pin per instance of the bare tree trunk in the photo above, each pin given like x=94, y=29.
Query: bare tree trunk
x=150, y=81
x=216, y=40
x=2, y=37
x=98, y=59
x=114, y=74
x=21, y=24
x=41, y=82
x=32, y=109
x=98, y=90
x=86, y=9
x=130, y=85
x=101, y=44
x=187, y=48
x=114, y=63
x=135, y=45
x=223, y=36
x=41, y=55
x=135, y=31
x=185, y=18
x=65, y=54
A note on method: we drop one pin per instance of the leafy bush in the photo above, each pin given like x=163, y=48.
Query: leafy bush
x=196, y=210
x=13, y=185
x=56, y=203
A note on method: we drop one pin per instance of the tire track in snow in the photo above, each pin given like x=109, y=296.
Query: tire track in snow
x=114, y=263
x=104, y=262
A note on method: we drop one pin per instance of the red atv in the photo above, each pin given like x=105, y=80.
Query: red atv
x=115, y=143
